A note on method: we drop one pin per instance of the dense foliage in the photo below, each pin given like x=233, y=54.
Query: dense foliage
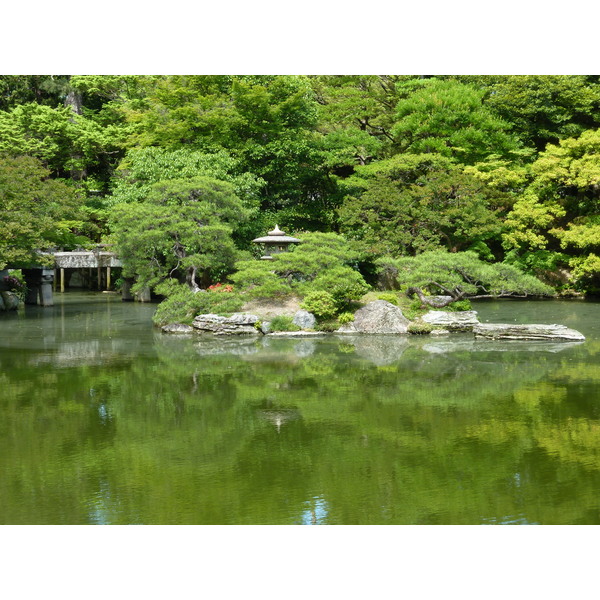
x=323, y=264
x=459, y=275
x=36, y=212
x=507, y=167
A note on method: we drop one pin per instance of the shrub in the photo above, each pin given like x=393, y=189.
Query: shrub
x=181, y=304
x=220, y=288
x=390, y=297
x=414, y=310
x=283, y=323
x=420, y=328
x=328, y=325
x=342, y=282
x=320, y=303
x=256, y=279
x=15, y=285
x=323, y=262
x=459, y=305
x=345, y=317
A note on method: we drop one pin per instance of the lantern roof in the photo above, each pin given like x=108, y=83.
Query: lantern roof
x=276, y=237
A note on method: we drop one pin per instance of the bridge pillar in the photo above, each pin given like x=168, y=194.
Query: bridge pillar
x=126, y=294
x=39, y=286
x=46, y=296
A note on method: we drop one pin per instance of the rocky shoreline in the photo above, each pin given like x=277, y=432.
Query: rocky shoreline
x=382, y=318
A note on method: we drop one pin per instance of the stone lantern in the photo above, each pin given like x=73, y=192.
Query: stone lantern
x=275, y=242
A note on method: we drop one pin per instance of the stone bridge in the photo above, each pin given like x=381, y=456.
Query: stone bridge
x=43, y=280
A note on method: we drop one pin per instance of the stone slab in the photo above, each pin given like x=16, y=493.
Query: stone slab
x=533, y=331
x=454, y=321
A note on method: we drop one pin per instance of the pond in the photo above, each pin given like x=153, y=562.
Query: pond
x=104, y=420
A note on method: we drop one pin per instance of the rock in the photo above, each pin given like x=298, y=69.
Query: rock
x=534, y=331
x=305, y=319
x=177, y=328
x=265, y=327
x=10, y=301
x=453, y=321
x=377, y=317
x=236, y=324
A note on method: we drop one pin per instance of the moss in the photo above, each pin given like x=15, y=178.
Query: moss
x=420, y=328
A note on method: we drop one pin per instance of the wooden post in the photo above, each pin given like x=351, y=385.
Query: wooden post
x=99, y=278
x=108, y=278
x=55, y=282
x=62, y=280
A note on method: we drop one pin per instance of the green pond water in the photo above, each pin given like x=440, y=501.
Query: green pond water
x=104, y=420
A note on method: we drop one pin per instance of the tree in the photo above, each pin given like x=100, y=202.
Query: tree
x=356, y=114
x=47, y=90
x=458, y=276
x=560, y=209
x=450, y=118
x=542, y=109
x=267, y=122
x=414, y=203
x=143, y=167
x=182, y=231
x=322, y=262
x=36, y=212
x=67, y=143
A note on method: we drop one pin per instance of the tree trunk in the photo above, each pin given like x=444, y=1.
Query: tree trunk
x=190, y=278
x=427, y=300
x=75, y=102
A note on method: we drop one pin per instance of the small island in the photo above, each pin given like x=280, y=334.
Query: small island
x=313, y=290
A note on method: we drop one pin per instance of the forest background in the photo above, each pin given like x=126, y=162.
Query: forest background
x=504, y=166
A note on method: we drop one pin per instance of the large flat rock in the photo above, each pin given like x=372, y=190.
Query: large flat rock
x=534, y=331
x=453, y=321
x=236, y=324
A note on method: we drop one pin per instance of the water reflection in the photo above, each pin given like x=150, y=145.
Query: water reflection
x=114, y=422
x=377, y=349
x=315, y=513
x=477, y=345
x=278, y=417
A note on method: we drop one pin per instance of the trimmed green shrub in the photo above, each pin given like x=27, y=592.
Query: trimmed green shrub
x=345, y=317
x=390, y=297
x=459, y=306
x=323, y=262
x=342, y=282
x=283, y=323
x=320, y=303
x=257, y=280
